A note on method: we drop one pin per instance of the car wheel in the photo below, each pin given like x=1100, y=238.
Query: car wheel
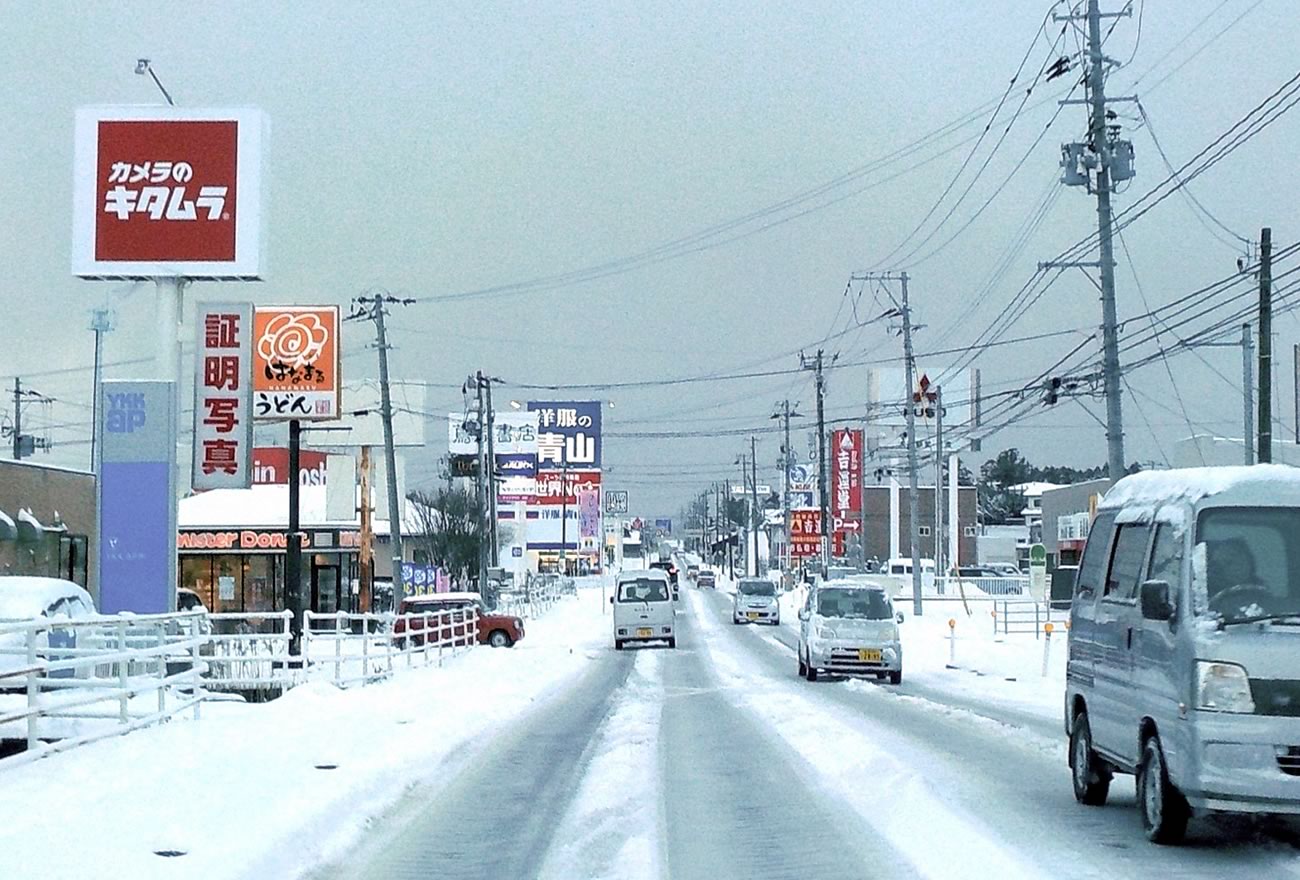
x=1164, y=809
x=1089, y=774
x=618, y=645
x=803, y=667
x=672, y=642
x=499, y=639
x=812, y=671
x=896, y=677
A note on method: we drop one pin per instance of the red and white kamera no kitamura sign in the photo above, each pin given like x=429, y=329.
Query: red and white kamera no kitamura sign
x=167, y=192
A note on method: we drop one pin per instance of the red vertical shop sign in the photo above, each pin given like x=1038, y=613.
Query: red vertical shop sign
x=846, y=486
x=805, y=533
x=223, y=396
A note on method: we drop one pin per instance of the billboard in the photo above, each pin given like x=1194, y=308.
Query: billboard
x=512, y=433
x=589, y=516
x=296, y=363
x=517, y=477
x=271, y=466
x=223, y=396
x=167, y=192
x=568, y=433
x=560, y=487
x=805, y=533
x=887, y=394
x=137, y=497
x=616, y=501
x=846, y=485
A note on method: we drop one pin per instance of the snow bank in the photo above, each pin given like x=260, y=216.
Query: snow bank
x=240, y=791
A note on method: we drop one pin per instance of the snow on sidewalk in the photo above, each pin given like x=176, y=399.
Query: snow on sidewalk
x=239, y=791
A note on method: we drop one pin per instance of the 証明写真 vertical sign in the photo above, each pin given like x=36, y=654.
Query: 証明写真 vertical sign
x=223, y=396
x=137, y=497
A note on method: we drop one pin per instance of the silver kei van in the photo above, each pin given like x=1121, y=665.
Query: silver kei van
x=643, y=608
x=1184, y=645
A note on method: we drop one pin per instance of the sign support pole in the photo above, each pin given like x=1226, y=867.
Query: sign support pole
x=292, y=548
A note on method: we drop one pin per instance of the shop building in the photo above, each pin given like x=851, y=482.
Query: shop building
x=232, y=545
x=47, y=522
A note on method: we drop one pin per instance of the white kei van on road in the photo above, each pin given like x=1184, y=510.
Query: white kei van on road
x=643, y=608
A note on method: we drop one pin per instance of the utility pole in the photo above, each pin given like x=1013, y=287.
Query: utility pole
x=480, y=485
x=18, y=419
x=816, y=364
x=1113, y=160
x=757, y=516
x=1265, y=346
x=731, y=555
x=1247, y=394
x=913, y=490
x=376, y=314
x=939, y=556
x=101, y=321
x=564, y=519
x=787, y=461
x=493, y=549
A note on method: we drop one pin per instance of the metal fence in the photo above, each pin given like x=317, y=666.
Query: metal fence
x=977, y=587
x=1022, y=617
x=347, y=649
x=66, y=682
x=536, y=599
x=249, y=653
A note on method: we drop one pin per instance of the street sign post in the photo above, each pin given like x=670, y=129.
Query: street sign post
x=1038, y=572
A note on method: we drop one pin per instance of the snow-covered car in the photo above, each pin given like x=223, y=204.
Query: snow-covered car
x=692, y=571
x=706, y=579
x=755, y=602
x=643, y=608
x=1183, y=667
x=26, y=599
x=850, y=628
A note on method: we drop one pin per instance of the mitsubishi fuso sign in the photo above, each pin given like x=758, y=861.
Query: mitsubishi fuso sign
x=167, y=192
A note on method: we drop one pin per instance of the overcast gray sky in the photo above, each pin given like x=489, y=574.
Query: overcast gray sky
x=440, y=148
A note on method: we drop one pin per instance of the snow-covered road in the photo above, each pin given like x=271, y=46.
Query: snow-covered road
x=715, y=761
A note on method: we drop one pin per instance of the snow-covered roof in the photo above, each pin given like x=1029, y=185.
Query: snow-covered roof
x=267, y=506
x=1190, y=485
x=23, y=597
x=1033, y=489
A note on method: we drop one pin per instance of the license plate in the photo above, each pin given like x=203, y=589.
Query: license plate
x=646, y=632
x=869, y=655
x=753, y=615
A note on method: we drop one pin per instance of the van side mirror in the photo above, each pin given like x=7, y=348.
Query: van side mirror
x=803, y=614
x=611, y=600
x=898, y=618
x=1155, y=601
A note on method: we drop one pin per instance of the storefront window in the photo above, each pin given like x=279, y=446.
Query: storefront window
x=262, y=592
x=196, y=575
x=229, y=576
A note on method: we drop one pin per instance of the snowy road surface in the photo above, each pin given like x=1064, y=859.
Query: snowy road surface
x=715, y=761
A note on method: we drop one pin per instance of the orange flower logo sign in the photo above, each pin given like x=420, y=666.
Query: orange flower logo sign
x=296, y=363
x=296, y=341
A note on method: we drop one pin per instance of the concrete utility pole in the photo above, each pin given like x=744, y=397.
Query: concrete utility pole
x=1102, y=153
x=913, y=490
x=493, y=548
x=816, y=364
x=757, y=516
x=1247, y=394
x=787, y=461
x=1265, y=345
x=480, y=485
x=376, y=313
x=18, y=419
x=101, y=322
x=939, y=556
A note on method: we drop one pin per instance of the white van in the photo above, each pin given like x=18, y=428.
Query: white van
x=1184, y=645
x=643, y=608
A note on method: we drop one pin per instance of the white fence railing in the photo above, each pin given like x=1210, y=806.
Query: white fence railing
x=250, y=653
x=535, y=599
x=986, y=586
x=66, y=682
x=348, y=649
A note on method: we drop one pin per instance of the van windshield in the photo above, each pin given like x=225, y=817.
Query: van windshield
x=643, y=590
x=757, y=588
x=865, y=604
x=1252, y=561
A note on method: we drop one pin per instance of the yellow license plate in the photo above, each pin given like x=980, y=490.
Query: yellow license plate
x=753, y=615
x=869, y=655
x=646, y=632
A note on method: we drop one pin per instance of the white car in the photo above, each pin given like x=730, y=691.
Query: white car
x=756, y=602
x=643, y=608
x=850, y=628
x=25, y=599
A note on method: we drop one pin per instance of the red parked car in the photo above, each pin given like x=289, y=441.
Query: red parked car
x=497, y=630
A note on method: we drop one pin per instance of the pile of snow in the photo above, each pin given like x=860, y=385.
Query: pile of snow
x=240, y=792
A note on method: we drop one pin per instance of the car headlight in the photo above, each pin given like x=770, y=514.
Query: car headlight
x=823, y=632
x=1223, y=687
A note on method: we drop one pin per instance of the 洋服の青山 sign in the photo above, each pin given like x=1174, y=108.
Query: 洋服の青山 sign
x=568, y=433
x=167, y=192
x=296, y=363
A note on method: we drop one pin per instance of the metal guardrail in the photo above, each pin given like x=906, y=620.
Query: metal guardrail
x=1022, y=617
x=249, y=653
x=68, y=682
x=536, y=599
